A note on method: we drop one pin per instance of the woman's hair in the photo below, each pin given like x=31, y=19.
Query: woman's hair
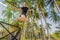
x=25, y=4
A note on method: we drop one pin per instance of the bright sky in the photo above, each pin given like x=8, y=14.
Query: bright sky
x=3, y=7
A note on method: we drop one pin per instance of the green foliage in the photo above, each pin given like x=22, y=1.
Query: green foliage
x=54, y=16
x=31, y=27
x=7, y=13
x=57, y=32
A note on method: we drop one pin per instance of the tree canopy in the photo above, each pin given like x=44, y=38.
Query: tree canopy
x=38, y=26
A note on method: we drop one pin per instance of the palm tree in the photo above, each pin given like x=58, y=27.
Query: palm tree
x=38, y=13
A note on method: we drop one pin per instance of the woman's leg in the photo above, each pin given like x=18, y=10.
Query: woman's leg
x=22, y=18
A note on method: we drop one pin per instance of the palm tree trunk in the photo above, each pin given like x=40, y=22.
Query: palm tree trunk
x=17, y=35
x=57, y=6
x=43, y=37
x=24, y=30
x=47, y=28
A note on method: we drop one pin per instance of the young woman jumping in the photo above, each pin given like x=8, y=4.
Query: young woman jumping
x=24, y=11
